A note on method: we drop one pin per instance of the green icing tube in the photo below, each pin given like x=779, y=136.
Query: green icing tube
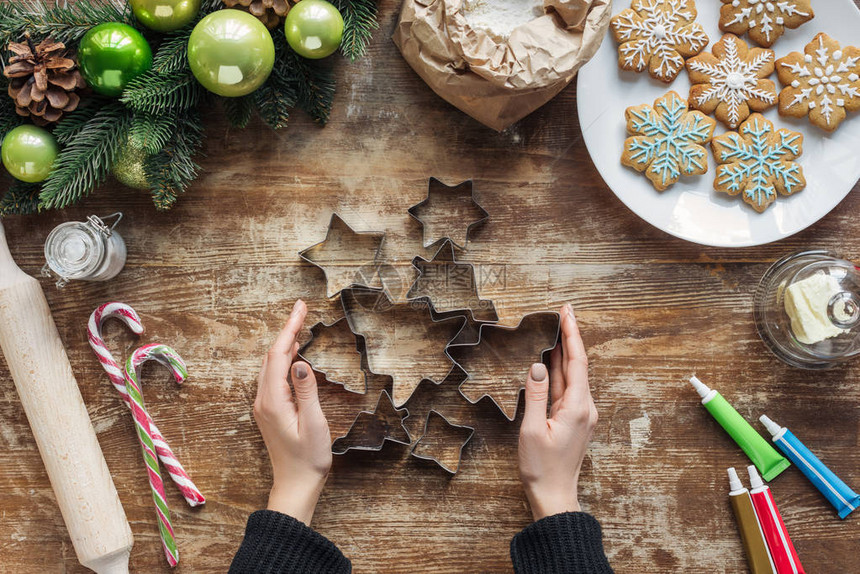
x=766, y=458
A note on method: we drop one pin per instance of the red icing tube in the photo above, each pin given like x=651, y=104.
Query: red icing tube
x=778, y=542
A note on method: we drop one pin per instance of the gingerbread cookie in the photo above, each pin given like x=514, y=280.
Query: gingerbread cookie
x=667, y=140
x=658, y=34
x=765, y=20
x=757, y=162
x=732, y=81
x=823, y=82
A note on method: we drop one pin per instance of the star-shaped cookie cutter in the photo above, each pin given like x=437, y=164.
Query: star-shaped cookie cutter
x=443, y=212
x=346, y=257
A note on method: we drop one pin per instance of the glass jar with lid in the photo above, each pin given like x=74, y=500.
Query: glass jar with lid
x=85, y=251
x=807, y=309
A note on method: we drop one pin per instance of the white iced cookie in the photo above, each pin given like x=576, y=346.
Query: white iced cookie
x=498, y=18
x=806, y=304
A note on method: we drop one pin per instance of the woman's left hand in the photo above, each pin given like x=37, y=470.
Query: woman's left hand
x=293, y=425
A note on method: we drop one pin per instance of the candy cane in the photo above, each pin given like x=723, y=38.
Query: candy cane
x=168, y=357
x=128, y=316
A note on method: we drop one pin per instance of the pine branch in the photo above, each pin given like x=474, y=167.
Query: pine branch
x=158, y=94
x=315, y=86
x=172, y=54
x=71, y=124
x=152, y=132
x=20, y=199
x=66, y=22
x=239, y=110
x=274, y=103
x=9, y=118
x=86, y=160
x=171, y=171
x=360, y=19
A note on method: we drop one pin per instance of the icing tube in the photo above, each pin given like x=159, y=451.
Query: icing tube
x=752, y=536
x=759, y=451
x=781, y=549
x=834, y=490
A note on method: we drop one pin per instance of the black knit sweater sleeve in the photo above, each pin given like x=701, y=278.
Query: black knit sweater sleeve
x=279, y=544
x=567, y=543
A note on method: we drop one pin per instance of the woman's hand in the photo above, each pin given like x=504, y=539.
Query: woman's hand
x=551, y=449
x=293, y=425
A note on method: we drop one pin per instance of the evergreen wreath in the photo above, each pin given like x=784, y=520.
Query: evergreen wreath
x=159, y=112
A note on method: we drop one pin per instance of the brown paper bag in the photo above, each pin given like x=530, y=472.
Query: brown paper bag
x=499, y=83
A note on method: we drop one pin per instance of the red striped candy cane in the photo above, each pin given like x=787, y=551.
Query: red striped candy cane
x=128, y=316
x=168, y=357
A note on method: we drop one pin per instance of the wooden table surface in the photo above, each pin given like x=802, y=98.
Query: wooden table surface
x=216, y=278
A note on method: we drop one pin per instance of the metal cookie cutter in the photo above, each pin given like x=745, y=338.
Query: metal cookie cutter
x=497, y=363
x=448, y=212
x=442, y=442
x=403, y=340
x=346, y=257
x=371, y=429
x=338, y=353
x=450, y=286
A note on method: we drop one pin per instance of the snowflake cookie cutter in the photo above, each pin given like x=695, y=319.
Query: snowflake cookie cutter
x=442, y=442
x=346, y=257
x=450, y=286
x=372, y=429
x=497, y=364
x=396, y=328
x=443, y=212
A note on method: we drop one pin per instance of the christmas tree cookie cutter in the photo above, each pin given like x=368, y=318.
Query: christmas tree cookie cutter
x=444, y=211
x=498, y=362
x=442, y=442
x=338, y=353
x=450, y=286
x=346, y=257
x=396, y=338
x=372, y=429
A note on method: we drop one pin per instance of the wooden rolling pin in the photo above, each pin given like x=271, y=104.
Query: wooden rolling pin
x=60, y=422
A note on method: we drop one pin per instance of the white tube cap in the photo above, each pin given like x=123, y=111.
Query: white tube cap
x=771, y=426
x=755, y=479
x=700, y=387
x=734, y=480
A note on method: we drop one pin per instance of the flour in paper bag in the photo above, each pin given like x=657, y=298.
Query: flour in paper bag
x=498, y=18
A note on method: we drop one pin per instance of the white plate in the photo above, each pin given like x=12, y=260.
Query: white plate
x=691, y=209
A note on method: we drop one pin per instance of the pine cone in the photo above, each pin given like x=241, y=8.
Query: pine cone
x=269, y=12
x=44, y=80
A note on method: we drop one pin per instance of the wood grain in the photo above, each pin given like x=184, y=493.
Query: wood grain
x=215, y=278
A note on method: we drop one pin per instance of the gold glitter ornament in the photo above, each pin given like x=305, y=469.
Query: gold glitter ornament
x=128, y=166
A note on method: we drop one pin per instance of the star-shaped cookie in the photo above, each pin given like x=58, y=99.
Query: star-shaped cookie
x=758, y=162
x=658, y=34
x=347, y=258
x=732, y=80
x=765, y=20
x=823, y=82
x=666, y=140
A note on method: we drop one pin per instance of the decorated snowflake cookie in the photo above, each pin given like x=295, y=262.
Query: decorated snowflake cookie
x=667, y=140
x=823, y=82
x=732, y=81
x=765, y=20
x=658, y=34
x=757, y=161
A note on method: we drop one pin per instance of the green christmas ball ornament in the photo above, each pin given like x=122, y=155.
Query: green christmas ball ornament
x=231, y=53
x=314, y=29
x=29, y=152
x=165, y=15
x=111, y=55
x=128, y=166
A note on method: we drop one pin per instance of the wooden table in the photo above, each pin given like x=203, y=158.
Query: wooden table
x=217, y=276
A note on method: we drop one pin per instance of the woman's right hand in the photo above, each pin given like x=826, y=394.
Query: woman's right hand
x=551, y=449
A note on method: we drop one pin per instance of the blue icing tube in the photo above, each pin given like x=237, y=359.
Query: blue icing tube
x=834, y=490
